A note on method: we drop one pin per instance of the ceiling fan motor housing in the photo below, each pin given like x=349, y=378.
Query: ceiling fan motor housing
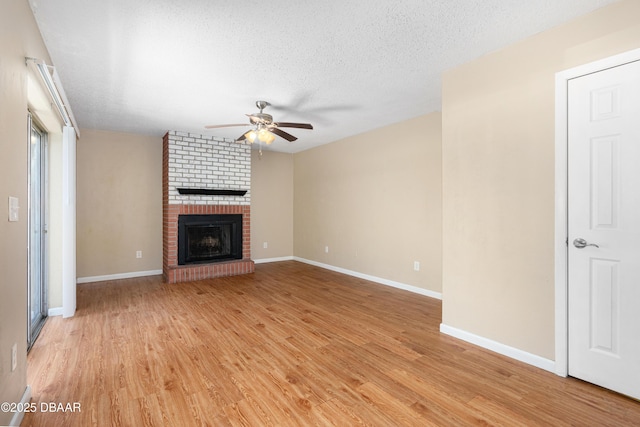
x=260, y=118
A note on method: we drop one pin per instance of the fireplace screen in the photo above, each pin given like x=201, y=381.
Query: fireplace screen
x=209, y=238
x=205, y=242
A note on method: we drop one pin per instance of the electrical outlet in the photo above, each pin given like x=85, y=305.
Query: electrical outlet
x=416, y=265
x=14, y=357
x=138, y=254
x=265, y=245
x=326, y=249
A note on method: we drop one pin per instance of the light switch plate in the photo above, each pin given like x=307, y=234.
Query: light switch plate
x=14, y=208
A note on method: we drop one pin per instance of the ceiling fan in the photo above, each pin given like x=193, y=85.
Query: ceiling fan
x=265, y=128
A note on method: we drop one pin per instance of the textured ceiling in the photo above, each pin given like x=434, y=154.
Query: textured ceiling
x=346, y=66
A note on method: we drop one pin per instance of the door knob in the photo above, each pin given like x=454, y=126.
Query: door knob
x=581, y=243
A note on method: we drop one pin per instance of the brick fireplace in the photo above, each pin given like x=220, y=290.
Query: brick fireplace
x=204, y=175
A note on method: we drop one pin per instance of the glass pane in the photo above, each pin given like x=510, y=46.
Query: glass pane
x=36, y=234
x=35, y=226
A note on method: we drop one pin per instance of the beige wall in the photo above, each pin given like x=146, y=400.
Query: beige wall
x=375, y=200
x=271, y=205
x=119, y=203
x=498, y=178
x=19, y=37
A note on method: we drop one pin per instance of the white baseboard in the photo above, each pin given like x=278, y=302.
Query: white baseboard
x=266, y=260
x=118, y=276
x=505, y=350
x=18, y=416
x=56, y=311
x=403, y=286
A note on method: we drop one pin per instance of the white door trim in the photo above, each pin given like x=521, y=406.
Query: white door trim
x=561, y=182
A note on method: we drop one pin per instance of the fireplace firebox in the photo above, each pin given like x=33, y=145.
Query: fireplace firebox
x=209, y=238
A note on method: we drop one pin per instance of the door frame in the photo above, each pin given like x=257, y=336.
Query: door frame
x=561, y=237
x=43, y=174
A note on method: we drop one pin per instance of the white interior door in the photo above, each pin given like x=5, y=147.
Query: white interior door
x=604, y=211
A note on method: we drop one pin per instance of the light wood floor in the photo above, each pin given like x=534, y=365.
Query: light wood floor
x=293, y=345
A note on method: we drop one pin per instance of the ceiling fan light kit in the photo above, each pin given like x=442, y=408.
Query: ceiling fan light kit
x=266, y=129
x=262, y=135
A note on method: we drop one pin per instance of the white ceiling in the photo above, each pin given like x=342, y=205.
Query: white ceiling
x=346, y=66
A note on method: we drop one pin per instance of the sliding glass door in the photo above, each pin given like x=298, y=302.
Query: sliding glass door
x=37, y=231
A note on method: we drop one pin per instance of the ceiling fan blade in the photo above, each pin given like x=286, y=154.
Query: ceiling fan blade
x=282, y=134
x=227, y=126
x=294, y=125
x=242, y=137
